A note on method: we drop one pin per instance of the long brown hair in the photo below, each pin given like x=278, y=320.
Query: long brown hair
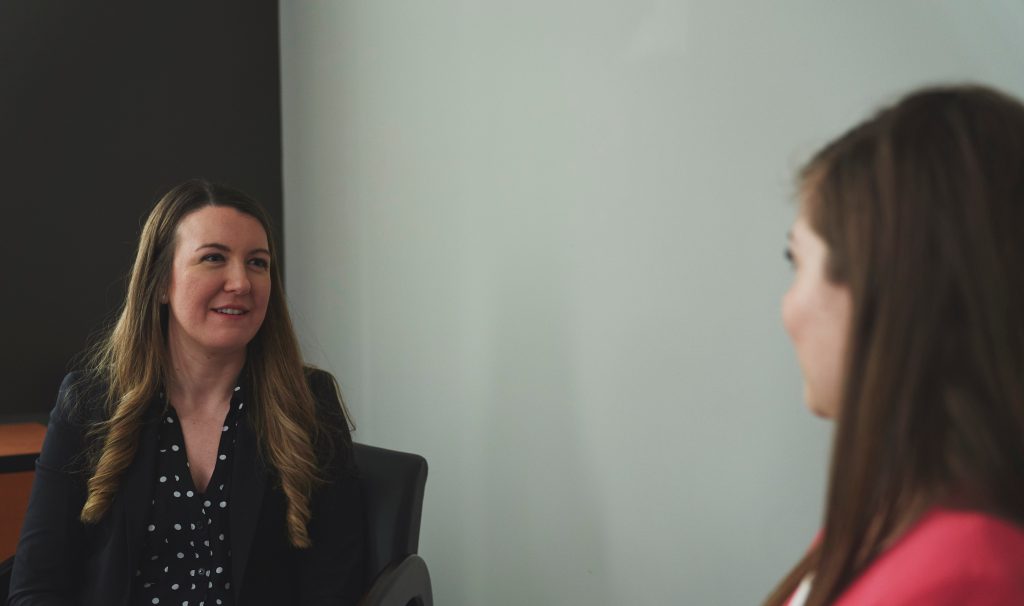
x=132, y=362
x=922, y=210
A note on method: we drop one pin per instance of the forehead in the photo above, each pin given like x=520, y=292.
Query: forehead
x=223, y=225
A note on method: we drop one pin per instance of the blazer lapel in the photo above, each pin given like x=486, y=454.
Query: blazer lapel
x=248, y=483
x=137, y=488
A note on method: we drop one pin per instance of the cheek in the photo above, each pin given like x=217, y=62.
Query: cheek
x=262, y=293
x=192, y=292
x=260, y=298
x=840, y=312
x=791, y=313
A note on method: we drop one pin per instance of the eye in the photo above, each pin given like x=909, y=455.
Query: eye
x=259, y=262
x=213, y=257
x=788, y=253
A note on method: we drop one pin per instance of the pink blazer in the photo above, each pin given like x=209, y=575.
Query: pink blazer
x=949, y=558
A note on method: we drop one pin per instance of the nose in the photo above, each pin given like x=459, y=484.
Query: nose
x=788, y=312
x=237, y=279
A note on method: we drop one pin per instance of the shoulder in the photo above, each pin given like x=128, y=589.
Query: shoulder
x=325, y=392
x=79, y=407
x=948, y=557
x=81, y=400
x=332, y=418
x=321, y=382
x=966, y=541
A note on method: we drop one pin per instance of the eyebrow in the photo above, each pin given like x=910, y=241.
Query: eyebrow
x=225, y=248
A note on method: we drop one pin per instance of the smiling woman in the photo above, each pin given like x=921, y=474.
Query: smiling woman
x=196, y=459
x=219, y=284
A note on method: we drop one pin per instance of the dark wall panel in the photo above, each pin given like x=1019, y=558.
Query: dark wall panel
x=103, y=107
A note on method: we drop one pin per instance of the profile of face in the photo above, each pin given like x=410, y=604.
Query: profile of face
x=220, y=282
x=816, y=313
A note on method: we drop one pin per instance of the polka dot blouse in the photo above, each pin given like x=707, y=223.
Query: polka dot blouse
x=186, y=558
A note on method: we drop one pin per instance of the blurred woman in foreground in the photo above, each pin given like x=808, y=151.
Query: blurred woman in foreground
x=907, y=315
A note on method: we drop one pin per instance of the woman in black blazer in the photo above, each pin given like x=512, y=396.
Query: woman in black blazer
x=196, y=460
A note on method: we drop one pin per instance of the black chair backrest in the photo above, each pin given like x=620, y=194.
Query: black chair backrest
x=393, y=484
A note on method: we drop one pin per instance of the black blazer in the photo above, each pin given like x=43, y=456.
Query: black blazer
x=62, y=561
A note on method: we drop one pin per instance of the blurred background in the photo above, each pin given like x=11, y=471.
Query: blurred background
x=539, y=243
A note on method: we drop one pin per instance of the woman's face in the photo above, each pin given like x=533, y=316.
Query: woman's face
x=220, y=282
x=816, y=313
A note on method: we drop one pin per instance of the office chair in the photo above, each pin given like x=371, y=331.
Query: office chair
x=393, y=484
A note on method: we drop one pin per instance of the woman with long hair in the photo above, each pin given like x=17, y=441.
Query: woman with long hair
x=195, y=459
x=907, y=315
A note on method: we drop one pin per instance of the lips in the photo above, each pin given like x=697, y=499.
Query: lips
x=231, y=310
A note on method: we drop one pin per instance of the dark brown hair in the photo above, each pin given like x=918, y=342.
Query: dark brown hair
x=132, y=362
x=922, y=210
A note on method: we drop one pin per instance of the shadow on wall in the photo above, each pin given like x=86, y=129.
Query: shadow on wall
x=547, y=545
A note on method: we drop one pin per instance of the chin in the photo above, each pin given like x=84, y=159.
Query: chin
x=227, y=346
x=817, y=407
x=820, y=412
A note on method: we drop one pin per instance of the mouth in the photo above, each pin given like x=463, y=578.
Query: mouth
x=230, y=311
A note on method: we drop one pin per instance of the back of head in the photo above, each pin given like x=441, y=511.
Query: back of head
x=922, y=209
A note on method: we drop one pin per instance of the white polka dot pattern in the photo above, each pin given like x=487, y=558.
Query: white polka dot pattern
x=173, y=555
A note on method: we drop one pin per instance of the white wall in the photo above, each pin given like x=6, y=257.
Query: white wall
x=540, y=243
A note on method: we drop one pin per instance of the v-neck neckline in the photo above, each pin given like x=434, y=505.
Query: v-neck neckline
x=234, y=408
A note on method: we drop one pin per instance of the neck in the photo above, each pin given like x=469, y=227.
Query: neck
x=201, y=381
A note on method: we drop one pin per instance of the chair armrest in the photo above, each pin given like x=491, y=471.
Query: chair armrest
x=400, y=584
